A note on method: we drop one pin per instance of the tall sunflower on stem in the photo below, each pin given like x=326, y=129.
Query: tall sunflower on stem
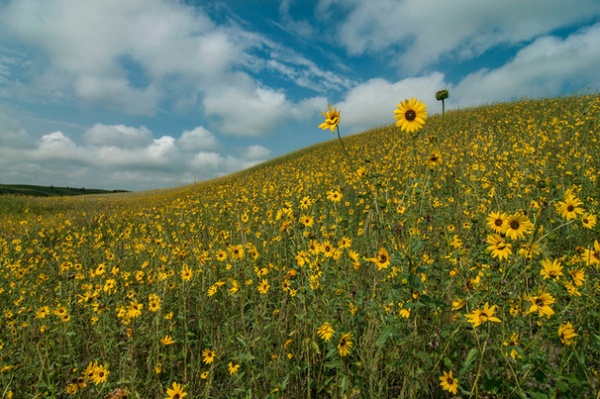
x=411, y=115
x=332, y=121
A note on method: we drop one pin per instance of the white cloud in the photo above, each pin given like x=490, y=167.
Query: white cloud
x=256, y=153
x=120, y=156
x=546, y=67
x=244, y=109
x=372, y=103
x=197, y=139
x=85, y=41
x=428, y=30
x=117, y=136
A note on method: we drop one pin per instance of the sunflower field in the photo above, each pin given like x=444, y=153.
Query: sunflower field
x=458, y=257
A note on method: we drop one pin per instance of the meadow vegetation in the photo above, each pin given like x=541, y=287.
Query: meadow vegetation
x=460, y=259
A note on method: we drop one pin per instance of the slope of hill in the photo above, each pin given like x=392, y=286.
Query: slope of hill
x=461, y=259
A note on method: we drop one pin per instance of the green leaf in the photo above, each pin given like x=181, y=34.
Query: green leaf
x=415, y=282
x=385, y=335
x=537, y=395
x=469, y=361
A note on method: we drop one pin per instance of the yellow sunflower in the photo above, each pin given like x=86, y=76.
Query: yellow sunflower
x=176, y=392
x=411, y=115
x=449, y=383
x=332, y=119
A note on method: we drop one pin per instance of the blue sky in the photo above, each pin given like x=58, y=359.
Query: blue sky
x=143, y=94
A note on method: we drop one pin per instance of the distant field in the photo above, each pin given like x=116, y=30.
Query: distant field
x=50, y=191
x=461, y=258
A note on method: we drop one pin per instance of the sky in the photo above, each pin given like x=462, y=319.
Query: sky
x=145, y=94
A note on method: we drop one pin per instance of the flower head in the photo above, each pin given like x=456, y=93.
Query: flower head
x=325, y=331
x=570, y=208
x=411, y=115
x=541, y=304
x=517, y=226
x=566, y=333
x=478, y=316
x=498, y=246
x=497, y=222
x=332, y=119
x=208, y=356
x=233, y=368
x=449, y=383
x=551, y=269
x=345, y=344
x=176, y=392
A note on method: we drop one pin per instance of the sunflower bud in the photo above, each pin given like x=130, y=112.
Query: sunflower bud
x=441, y=95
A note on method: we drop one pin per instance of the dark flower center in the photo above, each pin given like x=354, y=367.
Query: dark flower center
x=539, y=302
x=498, y=222
x=570, y=208
x=514, y=225
x=410, y=115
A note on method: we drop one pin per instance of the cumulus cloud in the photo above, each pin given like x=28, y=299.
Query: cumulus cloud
x=119, y=156
x=245, y=109
x=117, y=136
x=372, y=103
x=546, y=67
x=429, y=30
x=197, y=139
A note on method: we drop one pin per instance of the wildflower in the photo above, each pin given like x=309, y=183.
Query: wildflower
x=411, y=115
x=167, y=340
x=204, y=375
x=434, y=159
x=236, y=251
x=517, y=226
x=332, y=119
x=235, y=287
x=208, y=356
x=186, y=273
x=382, y=260
x=307, y=221
x=530, y=250
x=221, y=255
x=578, y=276
x=325, y=331
x=477, y=316
x=541, y=304
x=566, y=332
x=263, y=287
x=458, y=304
x=449, y=383
x=497, y=222
x=570, y=208
x=100, y=375
x=334, y=195
x=233, y=368
x=345, y=344
x=212, y=290
x=592, y=256
x=588, y=220
x=153, y=303
x=42, y=312
x=551, y=269
x=176, y=392
x=512, y=343
x=498, y=246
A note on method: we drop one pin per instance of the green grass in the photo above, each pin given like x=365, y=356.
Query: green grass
x=251, y=266
x=49, y=191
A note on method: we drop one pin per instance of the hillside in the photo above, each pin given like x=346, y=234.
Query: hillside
x=459, y=260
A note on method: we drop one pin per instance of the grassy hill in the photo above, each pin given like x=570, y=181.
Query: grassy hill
x=460, y=260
